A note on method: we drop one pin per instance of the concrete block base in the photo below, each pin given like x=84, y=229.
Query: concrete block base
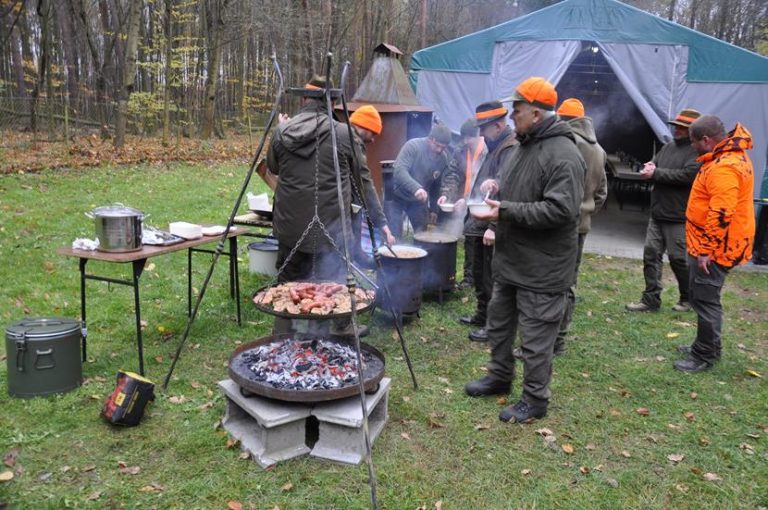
x=340, y=436
x=269, y=430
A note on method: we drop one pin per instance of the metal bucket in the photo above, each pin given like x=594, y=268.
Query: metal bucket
x=118, y=228
x=403, y=276
x=439, y=273
x=43, y=356
x=263, y=258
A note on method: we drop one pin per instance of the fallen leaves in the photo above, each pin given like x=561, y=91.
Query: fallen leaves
x=153, y=488
x=626, y=454
x=9, y=459
x=286, y=487
x=711, y=477
x=177, y=399
x=643, y=411
x=689, y=416
x=6, y=476
x=676, y=457
x=753, y=374
x=568, y=448
x=234, y=505
x=433, y=420
x=125, y=469
x=482, y=426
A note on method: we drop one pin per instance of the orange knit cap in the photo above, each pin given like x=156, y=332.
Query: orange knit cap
x=571, y=107
x=368, y=118
x=536, y=91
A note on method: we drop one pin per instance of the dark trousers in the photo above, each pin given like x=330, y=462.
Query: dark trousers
x=417, y=212
x=570, y=305
x=482, y=277
x=468, y=256
x=537, y=316
x=664, y=236
x=302, y=266
x=705, y=300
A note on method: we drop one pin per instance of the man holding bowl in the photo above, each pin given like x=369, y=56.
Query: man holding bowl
x=540, y=188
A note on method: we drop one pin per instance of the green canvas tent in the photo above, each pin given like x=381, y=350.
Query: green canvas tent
x=659, y=66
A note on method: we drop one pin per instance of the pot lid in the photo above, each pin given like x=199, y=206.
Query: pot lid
x=116, y=211
x=435, y=237
x=42, y=327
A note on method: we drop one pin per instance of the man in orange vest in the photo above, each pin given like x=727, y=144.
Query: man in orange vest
x=719, y=230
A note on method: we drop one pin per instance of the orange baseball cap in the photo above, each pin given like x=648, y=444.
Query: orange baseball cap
x=536, y=91
x=571, y=107
x=368, y=118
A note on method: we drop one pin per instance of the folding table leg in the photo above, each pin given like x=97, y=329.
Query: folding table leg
x=138, y=267
x=83, y=327
x=234, y=274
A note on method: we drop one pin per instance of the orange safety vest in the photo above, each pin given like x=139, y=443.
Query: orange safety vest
x=720, y=217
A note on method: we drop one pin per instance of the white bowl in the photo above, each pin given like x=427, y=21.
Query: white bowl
x=447, y=207
x=478, y=208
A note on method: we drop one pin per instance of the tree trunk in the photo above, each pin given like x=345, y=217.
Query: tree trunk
x=128, y=68
x=671, y=13
x=215, y=29
x=18, y=62
x=44, y=13
x=168, y=73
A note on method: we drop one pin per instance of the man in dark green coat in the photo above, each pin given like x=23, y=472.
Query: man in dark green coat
x=672, y=172
x=540, y=188
x=301, y=155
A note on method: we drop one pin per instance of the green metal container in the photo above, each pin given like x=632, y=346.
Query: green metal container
x=43, y=356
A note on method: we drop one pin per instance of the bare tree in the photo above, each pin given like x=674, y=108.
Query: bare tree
x=128, y=68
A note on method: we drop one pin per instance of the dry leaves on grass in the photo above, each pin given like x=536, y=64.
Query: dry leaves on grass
x=177, y=399
x=231, y=443
x=482, y=426
x=711, y=477
x=568, y=448
x=153, y=487
x=676, y=457
x=6, y=476
x=9, y=459
x=643, y=411
x=94, y=496
x=689, y=416
x=286, y=487
x=433, y=420
x=125, y=469
x=234, y=505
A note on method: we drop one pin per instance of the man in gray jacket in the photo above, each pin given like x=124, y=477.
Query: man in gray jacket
x=420, y=164
x=540, y=187
x=672, y=172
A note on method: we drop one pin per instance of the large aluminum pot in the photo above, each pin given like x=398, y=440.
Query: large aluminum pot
x=118, y=227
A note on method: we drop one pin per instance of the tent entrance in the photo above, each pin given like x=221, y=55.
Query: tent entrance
x=620, y=126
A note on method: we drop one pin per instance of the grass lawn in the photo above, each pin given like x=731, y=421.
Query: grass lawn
x=624, y=429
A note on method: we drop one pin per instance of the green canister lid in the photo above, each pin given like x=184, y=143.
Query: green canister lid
x=42, y=327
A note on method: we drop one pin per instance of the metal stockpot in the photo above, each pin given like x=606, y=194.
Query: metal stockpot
x=43, y=356
x=118, y=227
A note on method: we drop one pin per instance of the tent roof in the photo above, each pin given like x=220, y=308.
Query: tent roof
x=710, y=60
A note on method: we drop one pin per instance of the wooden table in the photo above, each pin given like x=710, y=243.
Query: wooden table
x=138, y=260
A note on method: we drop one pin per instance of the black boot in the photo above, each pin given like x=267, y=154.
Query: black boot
x=487, y=386
x=522, y=412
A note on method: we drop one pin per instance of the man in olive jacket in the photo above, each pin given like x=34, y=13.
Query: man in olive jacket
x=420, y=164
x=572, y=112
x=672, y=172
x=301, y=147
x=540, y=188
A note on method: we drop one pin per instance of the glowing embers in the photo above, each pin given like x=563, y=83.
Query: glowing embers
x=314, y=364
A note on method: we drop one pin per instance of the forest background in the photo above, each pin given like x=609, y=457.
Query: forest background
x=169, y=71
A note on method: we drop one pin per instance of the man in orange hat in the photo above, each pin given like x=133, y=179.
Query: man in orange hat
x=366, y=126
x=672, y=171
x=571, y=110
x=540, y=187
x=491, y=119
x=719, y=230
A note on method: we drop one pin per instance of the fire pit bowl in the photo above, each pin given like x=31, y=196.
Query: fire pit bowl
x=251, y=383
